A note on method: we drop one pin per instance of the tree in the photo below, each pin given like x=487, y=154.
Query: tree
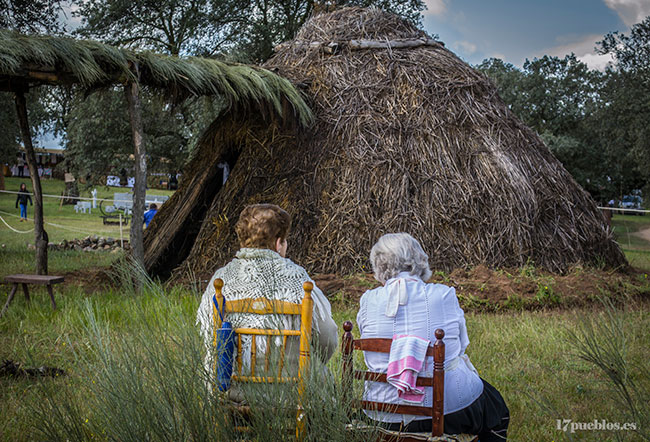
x=274, y=21
x=172, y=26
x=30, y=15
x=510, y=82
x=632, y=52
x=626, y=116
x=99, y=141
x=23, y=16
x=10, y=137
x=550, y=94
x=188, y=27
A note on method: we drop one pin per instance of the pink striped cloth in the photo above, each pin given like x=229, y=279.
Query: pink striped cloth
x=407, y=356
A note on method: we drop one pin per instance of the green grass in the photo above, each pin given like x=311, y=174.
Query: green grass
x=528, y=356
x=624, y=227
x=636, y=249
x=15, y=256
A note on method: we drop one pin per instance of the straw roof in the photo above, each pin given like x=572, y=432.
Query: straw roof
x=32, y=60
x=407, y=137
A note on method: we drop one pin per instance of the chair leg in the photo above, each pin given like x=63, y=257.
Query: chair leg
x=50, y=292
x=9, y=299
x=300, y=425
x=26, y=292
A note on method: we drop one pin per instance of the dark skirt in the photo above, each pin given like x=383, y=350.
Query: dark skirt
x=488, y=417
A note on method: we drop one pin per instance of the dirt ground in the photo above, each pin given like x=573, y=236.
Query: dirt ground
x=479, y=289
x=643, y=234
x=484, y=289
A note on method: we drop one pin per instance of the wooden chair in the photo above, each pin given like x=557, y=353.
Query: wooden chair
x=263, y=306
x=436, y=411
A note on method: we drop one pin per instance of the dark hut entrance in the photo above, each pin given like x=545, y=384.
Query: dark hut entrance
x=185, y=227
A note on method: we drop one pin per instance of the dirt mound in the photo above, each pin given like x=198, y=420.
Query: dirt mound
x=479, y=289
x=92, y=280
x=528, y=288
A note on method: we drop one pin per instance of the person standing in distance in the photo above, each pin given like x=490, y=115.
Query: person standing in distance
x=22, y=198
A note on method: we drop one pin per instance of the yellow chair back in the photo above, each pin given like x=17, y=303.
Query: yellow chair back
x=263, y=306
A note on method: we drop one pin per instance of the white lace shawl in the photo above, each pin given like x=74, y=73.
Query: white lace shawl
x=256, y=273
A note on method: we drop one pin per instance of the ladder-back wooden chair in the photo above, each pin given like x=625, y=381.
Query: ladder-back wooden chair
x=263, y=306
x=435, y=412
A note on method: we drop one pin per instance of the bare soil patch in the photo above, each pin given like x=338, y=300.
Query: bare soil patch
x=479, y=289
x=92, y=280
x=485, y=289
x=643, y=234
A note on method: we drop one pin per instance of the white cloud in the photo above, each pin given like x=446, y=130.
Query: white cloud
x=435, y=7
x=65, y=16
x=584, y=49
x=630, y=11
x=464, y=46
x=596, y=61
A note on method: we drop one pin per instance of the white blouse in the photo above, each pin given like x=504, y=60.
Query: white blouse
x=423, y=308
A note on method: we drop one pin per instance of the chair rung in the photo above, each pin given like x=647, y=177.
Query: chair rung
x=264, y=332
x=264, y=379
x=381, y=377
x=394, y=408
x=243, y=429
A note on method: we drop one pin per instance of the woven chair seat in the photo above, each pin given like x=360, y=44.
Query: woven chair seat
x=360, y=426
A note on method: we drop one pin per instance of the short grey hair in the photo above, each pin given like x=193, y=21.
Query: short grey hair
x=398, y=252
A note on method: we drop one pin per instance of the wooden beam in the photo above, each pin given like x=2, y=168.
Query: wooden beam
x=355, y=45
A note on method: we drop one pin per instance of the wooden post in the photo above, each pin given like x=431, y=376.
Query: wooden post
x=40, y=235
x=132, y=92
x=305, y=343
x=438, y=423
x=121, y=234
x=346, y=360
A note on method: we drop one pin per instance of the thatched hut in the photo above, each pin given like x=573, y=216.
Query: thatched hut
x=407, y=137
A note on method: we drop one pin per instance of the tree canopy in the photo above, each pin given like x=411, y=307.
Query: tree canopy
x=596, y=123
x=187, y=27
x=30, y=15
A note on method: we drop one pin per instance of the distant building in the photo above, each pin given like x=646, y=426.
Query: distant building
x=49, y=153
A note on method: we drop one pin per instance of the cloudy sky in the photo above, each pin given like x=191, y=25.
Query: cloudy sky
x=514, y=30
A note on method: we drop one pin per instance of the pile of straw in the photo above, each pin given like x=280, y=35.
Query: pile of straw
x=407, y=137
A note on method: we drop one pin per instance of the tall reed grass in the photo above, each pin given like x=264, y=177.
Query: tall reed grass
x=150, y=384
x=603, y=343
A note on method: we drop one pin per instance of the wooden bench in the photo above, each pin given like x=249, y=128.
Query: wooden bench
x=46, y=280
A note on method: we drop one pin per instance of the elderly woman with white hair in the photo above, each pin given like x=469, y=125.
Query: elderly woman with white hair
x=407, y=306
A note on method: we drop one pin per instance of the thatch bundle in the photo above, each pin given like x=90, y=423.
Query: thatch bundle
x=32, y=60
x=407, y=137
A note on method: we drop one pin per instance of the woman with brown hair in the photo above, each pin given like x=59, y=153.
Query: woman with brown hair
x=261, y=269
